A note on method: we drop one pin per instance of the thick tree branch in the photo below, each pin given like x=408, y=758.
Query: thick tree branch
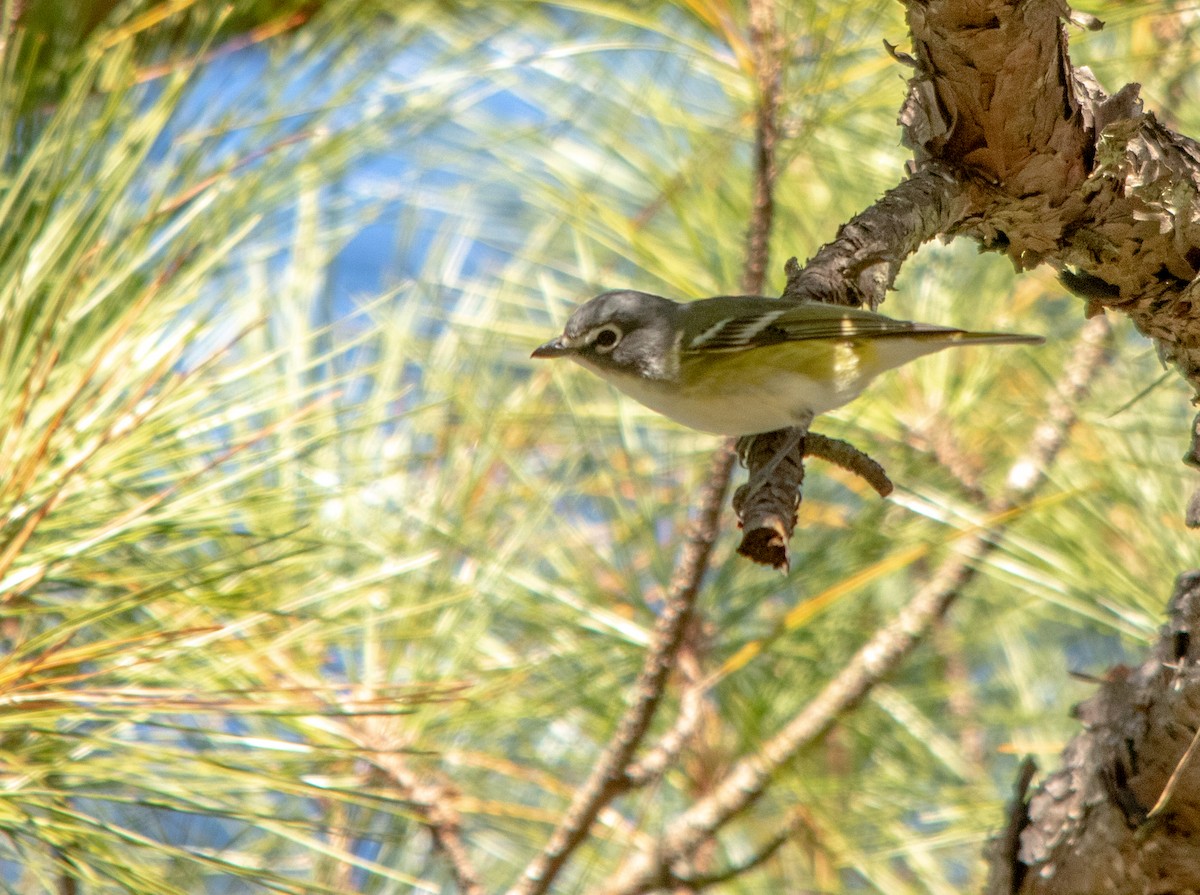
x=1091, y=826
x=1060, y=172
x=1018, y=150
x=860, y=265
x=1057, y=171
x=992, y=98
x=857, y=268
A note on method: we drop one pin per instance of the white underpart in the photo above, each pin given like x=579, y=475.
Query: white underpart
x=785, y=399
x=786, y=402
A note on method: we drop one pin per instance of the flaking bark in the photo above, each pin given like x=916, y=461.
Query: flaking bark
x=1015, y=148
x=1090, y=825
x=1018, y=150
x=1057, y=171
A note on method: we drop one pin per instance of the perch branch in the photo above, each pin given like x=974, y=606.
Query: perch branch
x=761, y=501
x=748, y=779
x=857, y=268
x=658, y=758
x=696, y=882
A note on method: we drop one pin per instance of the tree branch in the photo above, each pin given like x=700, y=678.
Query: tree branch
x=1007, y=871
x=857, y=268
x=610, y=777
x=768, y=504
x=747, y=780
x=432, y=800
x=1090, y=824
x=1057, y=171
x=860, y=265
x=657, y=759
x=768, y=68
x=764, y=853
x=1017, y=149
x=848, y=457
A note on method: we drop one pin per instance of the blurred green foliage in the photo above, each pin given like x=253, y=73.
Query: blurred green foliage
x=261, y=545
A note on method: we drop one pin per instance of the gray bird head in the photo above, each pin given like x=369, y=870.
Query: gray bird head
x=623, y=331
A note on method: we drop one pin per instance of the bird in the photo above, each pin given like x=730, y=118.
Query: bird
x=745, y=364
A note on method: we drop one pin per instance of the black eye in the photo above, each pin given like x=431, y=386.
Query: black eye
x=607, y=338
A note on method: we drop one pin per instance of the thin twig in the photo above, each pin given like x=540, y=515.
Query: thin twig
x=848, y=457
x=609, y=778
x=431, y=799
x=611, y=775
x=768, y=63
x=765, y=852
x=1004, y=850
x=658, y=758
x=938, y=439
x=888, y=647
x=769, y=71
x=68, y=881
x=960, y=700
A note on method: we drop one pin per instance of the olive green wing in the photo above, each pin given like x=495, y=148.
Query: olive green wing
x=740, y=323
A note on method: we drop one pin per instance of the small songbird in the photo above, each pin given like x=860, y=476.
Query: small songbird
x=741, y=364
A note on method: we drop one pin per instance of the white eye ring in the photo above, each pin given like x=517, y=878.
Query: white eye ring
x=606, y=338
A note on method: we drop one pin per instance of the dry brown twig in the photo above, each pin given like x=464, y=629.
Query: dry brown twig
x=431, y=798
x=609, y=777
x=612, y=774
x=663, y=753
x=748, y=779
x=856, y=268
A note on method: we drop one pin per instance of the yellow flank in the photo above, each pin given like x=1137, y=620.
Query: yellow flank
x=839, y=364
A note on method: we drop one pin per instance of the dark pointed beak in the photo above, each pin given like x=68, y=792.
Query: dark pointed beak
x=553, y=348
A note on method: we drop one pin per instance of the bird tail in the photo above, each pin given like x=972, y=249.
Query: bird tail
x=931, y=332
x=964, y=336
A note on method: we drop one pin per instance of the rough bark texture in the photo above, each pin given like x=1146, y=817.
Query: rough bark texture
x=1018, y=150
x=1092, y=826
x=1055, y=171
x=856, y=268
